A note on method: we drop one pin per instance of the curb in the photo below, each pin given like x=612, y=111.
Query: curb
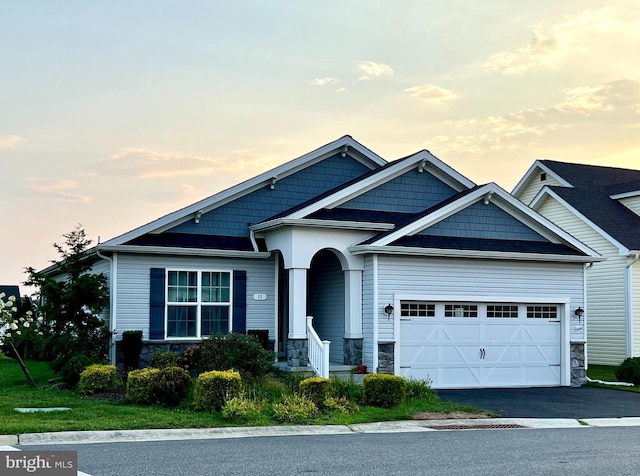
x=8, y=440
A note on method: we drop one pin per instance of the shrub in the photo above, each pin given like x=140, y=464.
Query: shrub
x=98, y=378
x=190, y=358
x=317, y=389
x=349, y=389
x=341, y=405
x=294, y=409
x=234, y=351
x=72, y=369
x=420, y=389
x=140, y=385
x=164, y=358
x=131, y=349
x=382, y=390
x=214, y=388
x=629, y=371
x=170, y=386
x=241, y=409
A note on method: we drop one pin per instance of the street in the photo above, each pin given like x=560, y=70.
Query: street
x=584, y=451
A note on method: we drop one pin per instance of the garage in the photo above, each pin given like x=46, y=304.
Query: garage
x=480, y=344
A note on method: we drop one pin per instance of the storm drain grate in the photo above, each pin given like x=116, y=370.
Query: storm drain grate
x=507, y=426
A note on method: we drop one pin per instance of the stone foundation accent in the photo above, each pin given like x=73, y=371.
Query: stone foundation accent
x=297, y=352
x=578, y=372
x=352, y=351
x=386, y=357
x=150, y=348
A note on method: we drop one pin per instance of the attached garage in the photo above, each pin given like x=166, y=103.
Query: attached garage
x=457, y=344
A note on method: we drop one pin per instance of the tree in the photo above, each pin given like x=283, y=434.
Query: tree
x=71, y=302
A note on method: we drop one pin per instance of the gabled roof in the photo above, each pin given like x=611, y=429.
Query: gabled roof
x=559, y=242
x=594, y=194
x=345, y=145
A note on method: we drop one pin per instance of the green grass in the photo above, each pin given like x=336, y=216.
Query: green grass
x=606, y=373
x=94, y=414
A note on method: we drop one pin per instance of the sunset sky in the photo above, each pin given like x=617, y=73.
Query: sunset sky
x=114, y=113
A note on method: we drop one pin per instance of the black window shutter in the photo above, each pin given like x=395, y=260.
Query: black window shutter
x=156, y=304
x=240, y=302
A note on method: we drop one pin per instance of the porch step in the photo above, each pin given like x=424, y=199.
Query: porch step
x=344, y=372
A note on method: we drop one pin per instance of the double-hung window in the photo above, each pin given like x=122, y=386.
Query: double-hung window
x=198, y=303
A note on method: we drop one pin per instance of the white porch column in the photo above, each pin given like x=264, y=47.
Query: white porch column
x=353, y=304
x=297, y=303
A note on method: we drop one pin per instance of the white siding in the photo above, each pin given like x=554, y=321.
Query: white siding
x=470, y=278
x=606, y=308
x=635, y=280
x=103, y=266
x=632, y=203
x=534, y=185
x=133, y=287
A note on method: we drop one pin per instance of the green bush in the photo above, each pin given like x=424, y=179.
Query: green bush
x=164, y=358
x=382, y=390
x=341, y=405
x=233, y=351
x=420, y=389
x=214, y=388
x=349, y=389
x=98, y=378
x=140, y=385
x=170, y=386
x=72, y=369
x=629, y=371
x=294, y=409
x=317, y=389
x=241, y=409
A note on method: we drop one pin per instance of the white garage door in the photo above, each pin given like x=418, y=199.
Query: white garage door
x=466, y=345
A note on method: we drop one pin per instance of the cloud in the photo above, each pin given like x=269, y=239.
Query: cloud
x=323, y=81
x=11, y=142
x=369, y=70
x=56, y=189
x=616, y=95
x=548, y=48
x=431, y=94
x=185, y=194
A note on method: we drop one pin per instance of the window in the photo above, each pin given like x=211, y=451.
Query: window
x=198, y=303
x=502, y=310
x=542, y=312
x=417, y=309
x=460, y=310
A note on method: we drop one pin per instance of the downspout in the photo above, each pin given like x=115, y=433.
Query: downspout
x=375, y=313
x=254, y=243
x=112, y=306
x=629, y=300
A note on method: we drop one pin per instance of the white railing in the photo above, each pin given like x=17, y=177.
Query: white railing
x=318, y=351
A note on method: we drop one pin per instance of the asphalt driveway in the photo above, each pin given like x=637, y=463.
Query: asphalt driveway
x=552, y=402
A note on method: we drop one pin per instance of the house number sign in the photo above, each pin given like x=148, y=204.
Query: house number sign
x=260, y=297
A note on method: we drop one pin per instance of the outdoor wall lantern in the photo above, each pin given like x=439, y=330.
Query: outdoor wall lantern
x=579, y=313
x=388, y=310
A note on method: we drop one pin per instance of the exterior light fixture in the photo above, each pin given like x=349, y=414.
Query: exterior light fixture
x=579, y=313
x=388, y=310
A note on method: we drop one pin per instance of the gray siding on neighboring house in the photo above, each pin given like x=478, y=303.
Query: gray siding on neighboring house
x=606, y=308
x=531, y=189
x=103, y=266
x=133, y=287
x=632, y=203
x=483, y=221
x=411, y=192
x=468, y=278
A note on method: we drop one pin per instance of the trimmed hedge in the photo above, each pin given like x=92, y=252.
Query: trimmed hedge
x=98, y=378
x=163, y=359
x=317, y=389
x=383, y=390
x=170, y=386
x=629, y=371
x=140, y=385
x=214, y=388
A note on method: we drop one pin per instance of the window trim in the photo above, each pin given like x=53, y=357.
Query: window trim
x=198, y=304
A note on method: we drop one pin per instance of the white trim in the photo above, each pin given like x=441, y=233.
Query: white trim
x=529, y=174
x=620, y=196
x=170, y=250
x=546, y=191
x=629, y=295
x=395, y=169
x=363, y=155
x=319, y=223
x=276, y=298
x=376, y=332
x=585, y=269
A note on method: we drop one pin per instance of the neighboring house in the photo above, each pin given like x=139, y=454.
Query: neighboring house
x=601, y=207
x=407, y=267
x=10, y=290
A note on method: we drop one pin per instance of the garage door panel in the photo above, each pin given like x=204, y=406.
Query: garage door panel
x=420, y=353
x=459, y=354
x=542, y=353
x=502, y=353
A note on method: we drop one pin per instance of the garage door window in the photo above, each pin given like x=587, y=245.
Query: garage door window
x=542, y=312
x=460, y=310
x=502, y=311
x=417, y=309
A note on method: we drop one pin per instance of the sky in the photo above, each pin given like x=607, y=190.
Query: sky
x=114, y=113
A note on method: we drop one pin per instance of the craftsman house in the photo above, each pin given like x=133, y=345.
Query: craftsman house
x=406, y=267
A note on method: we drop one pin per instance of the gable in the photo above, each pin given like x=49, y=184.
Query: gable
x=537, y=177
x=411, y=192
x=235, y=217
x=488, y=222
x=632, y=203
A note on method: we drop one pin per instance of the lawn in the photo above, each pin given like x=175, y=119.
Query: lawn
x=92, y=413
x=606, y=373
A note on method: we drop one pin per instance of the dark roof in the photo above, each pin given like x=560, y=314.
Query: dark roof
x=10, y=290
x=479, y=244
x=592, y=187
x=188, y=240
